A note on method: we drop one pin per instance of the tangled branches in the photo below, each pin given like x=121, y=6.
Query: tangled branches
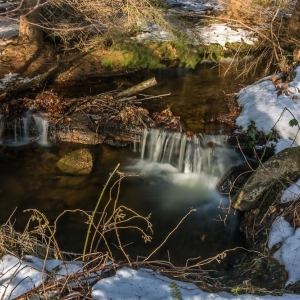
x=86, y=24
x=268, y=21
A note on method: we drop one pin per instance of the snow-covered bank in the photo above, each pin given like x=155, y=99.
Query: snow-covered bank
x=19, y=277
x=269, y=104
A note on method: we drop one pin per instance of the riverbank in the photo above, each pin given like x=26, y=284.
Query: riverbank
x=269, y=104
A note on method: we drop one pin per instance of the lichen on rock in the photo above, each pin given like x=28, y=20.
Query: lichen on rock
x=79, y=162
x=280, y=168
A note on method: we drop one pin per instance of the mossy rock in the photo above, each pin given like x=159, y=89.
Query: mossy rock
x=79, y=162
x=281, y=168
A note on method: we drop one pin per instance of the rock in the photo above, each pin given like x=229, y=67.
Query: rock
x=79, y=162
x=49, y=156
x=280, y=168
x=80, y=135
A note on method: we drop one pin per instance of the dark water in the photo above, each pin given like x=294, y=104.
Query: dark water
x=29, y=178
x=196, y=95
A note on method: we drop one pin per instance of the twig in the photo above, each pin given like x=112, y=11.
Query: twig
x=95, y=210
x=191, y=210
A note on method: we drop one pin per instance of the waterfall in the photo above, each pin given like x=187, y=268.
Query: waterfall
x=42, y=126
x=198, y=154
x=23, y=130
x=26, y=120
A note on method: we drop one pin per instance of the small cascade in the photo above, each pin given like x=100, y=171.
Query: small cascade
x=15, y=132
x=26, y=122
x=24, y=130
x=42, y=126
x=189, y=154
x=136, y=142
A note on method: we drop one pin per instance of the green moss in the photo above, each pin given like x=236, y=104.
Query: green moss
x=107, y=63
x=238, y=46
x=154, y=54
x=213, y=52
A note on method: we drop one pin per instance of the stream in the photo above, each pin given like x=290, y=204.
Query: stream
x=174, y=173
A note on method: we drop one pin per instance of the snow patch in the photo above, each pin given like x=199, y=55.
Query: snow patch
x=261, y=104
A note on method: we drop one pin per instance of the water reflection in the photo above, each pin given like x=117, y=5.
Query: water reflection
x=197, y=95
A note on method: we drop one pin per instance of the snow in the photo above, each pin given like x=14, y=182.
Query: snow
x=18, y=277
x=291, y=193
x=261, y=104
x=13, y=77
x=222, y=34
x=289, y=252
x=198, y=5
x=283, y=144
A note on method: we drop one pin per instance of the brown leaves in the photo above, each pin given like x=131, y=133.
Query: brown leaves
x=285, y=88
x=51, y=103
x=167, y=120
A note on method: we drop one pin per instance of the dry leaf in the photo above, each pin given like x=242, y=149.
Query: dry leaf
x=286, y=93
x=285, y=86
x=294, y=98
x=279, y=93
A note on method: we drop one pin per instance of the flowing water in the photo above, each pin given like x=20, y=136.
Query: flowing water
x=175, y=172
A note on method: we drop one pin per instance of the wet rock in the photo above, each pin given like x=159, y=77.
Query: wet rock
x=278, y=169
x=49, y=156
x=80, y=135
x=79, y=162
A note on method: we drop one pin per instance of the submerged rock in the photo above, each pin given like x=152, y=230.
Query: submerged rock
x=70, y=181
x=280, y=168
x=79, y=162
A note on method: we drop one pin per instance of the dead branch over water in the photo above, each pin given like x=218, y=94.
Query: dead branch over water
x=112, y=116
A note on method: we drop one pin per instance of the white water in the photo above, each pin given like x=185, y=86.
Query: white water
x=188, y=154
x=42, y=125
x=24, y=130
x=184, y=170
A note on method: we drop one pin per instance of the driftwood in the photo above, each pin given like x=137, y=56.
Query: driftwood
x=125, y=95
x=112, y=117
x=137, y=88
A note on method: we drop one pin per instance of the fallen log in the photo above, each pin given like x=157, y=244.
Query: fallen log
x=125, y=95
x=137, y=88
x=40, y=80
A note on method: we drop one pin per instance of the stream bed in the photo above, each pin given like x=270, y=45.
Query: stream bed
x=30, y=179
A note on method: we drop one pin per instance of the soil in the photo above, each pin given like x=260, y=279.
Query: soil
x=29, y=61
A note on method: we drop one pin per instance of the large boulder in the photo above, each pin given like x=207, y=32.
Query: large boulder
x=79, y=162
x=279, y=169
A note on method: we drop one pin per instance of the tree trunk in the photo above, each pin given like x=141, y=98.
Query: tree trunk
x=294, y=24
x=29, y=33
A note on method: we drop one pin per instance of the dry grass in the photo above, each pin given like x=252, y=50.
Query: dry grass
x=38, y=239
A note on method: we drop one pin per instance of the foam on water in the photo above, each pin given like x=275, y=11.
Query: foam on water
x=24, y=130
x=185, y=168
